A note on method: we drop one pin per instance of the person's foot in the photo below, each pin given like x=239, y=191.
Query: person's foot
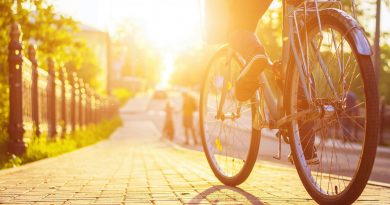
x=249, y=47
x=310, y=160
x=248, y=80
x=313, y=160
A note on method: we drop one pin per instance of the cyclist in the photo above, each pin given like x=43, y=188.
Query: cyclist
x=243, y=16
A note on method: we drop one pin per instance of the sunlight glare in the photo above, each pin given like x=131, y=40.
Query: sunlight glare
x=172, y=24
x=167, y=72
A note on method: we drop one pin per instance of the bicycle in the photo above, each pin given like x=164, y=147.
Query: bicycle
x=325, y=56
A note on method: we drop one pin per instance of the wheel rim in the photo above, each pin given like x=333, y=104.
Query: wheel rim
x=227, y=142
x=338, y=138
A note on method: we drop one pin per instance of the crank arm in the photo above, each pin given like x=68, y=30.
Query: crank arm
x=309, y=114
x=278, y=156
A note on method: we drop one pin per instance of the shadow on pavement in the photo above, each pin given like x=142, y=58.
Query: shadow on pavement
x=221, y=193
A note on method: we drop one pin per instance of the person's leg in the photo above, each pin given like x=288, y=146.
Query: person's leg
x=242, y=38
x=246, y=13
x=173, y=131
x=170, y=130
x=186, y=135
x=194, y=135
x=164, y=132
x=306, y=131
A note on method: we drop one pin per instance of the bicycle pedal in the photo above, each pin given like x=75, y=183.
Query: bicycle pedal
x=290, y=158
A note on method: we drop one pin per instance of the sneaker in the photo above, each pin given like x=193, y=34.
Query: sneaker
x=310, y=161
x=248, y=79
x=313, y=160
x=250, y=48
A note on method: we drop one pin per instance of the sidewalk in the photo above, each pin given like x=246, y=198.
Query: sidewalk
x=136, y=167
x=136, y=105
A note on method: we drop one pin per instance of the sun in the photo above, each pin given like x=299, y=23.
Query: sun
x=171, y=24
x=166, y=27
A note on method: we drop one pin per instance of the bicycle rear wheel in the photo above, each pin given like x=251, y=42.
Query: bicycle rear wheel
x=342, y=83
x=230, y=143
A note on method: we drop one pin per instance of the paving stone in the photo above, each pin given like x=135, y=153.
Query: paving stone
x=136, y=167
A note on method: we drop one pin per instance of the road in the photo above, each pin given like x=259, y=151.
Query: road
x=135, y=166
x=268, y=145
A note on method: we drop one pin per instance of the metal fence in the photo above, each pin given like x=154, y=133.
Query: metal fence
x=55, y=102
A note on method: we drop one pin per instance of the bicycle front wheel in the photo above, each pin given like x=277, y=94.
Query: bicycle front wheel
x=229, y=141
x=342, y=83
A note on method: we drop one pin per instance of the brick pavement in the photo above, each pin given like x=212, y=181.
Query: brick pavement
x=136, y=167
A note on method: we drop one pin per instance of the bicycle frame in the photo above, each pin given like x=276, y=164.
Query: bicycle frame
x=270, y=98
x=271, y=95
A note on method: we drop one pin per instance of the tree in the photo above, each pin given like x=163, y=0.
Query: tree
x=377, y=49
x=53, y=34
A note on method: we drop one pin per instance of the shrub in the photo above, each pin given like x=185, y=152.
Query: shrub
x=40, y=148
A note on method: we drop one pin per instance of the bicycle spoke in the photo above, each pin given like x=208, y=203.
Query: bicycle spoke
x=228, y=140
x=334, y=80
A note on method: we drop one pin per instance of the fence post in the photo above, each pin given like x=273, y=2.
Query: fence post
x=77, y=100
x=97, y=108
x=72, y=82
x=80, y=105
x=34, y=89
x=87, y=104
x=51, y=99
x=93, y=106
x=104, y=109
x=15, y=128
x=62, y=77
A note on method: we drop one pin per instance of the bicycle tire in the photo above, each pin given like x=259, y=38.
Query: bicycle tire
x=339, y=21
x=251, y=156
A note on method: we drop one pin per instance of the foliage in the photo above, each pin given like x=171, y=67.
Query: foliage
x=384, y=87
x=269, y=30
x=122, y=94
x=40, y=148
x=54, y=35
x=135, y=54
x=190, y=65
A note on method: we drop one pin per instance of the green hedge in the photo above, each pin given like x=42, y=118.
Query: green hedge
x=40, y=148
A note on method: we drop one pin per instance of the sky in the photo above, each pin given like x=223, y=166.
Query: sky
x=105, y=14
x=164, y=22
x=170, y=25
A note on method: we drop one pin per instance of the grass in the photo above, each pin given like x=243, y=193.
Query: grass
x=40, y=148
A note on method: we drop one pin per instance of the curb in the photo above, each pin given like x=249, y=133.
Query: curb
x=262, y=163
x=381, y=151
x=44, y=161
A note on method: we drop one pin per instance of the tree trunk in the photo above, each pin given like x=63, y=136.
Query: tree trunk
x=377, y=51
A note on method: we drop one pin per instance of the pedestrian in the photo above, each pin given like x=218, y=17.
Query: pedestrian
x=189, y=107
x=169, y=128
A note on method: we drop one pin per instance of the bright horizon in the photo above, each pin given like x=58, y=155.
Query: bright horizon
x=108, y=14
x=169, y=24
